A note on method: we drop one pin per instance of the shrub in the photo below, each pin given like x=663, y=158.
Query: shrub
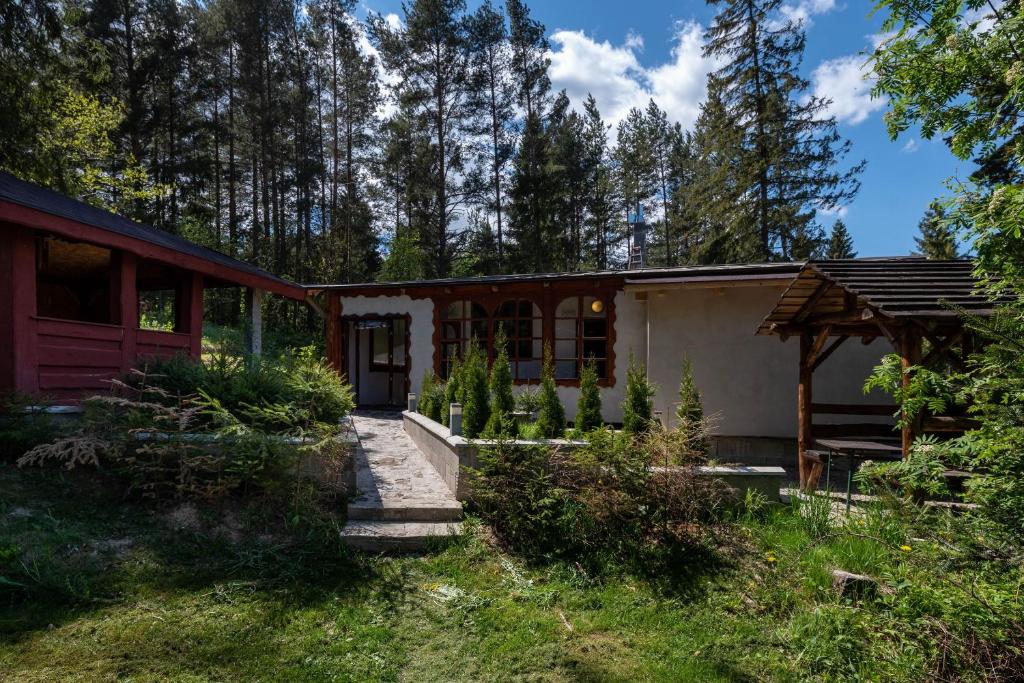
x=452, y=389
x=313, y=385
x=431, y=402
x=528, y=399
x=501, y=421
x=473, y=392
x=636, y=409
x=551, y=416
x=588, y=408
x=23, y=426
x=690, y=412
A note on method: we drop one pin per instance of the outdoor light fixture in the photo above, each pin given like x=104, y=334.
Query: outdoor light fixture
x=597, y=306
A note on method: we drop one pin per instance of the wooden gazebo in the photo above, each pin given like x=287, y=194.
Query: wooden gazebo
x=916, y=304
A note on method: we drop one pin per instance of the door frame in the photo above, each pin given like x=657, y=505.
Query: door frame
x=349, y=329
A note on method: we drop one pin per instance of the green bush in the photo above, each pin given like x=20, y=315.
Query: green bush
x=690, y=411
x=528, y=399
x=473, y=393
x=551, y=416
x=637, y=407
x=23, y=426
x=431, y=402
x=588, y=407
x=452, y=389
x=503, y=404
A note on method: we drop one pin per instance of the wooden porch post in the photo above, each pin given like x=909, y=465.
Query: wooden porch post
x=254, y=310
x=188, y=318
x=333, y=334
x=22, y=268
x=910, y=354
x=128, y=311
x=804, y=415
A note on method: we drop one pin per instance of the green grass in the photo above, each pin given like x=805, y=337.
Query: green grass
x=110, y=589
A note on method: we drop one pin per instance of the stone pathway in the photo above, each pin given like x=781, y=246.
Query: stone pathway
x=400, y=499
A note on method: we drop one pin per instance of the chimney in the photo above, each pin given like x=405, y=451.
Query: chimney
x=638, y=250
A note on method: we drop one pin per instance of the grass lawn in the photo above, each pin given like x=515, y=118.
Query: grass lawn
x=96, y=588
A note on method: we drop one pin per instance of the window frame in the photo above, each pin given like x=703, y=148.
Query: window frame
x=465, y=323
x=580, y=337
x=514, y=359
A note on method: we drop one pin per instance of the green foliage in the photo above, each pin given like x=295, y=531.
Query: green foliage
x=937, y=240
x=528, y=399
x=431, y=402
x=840, y=242
x=473, y=393
x=551, y=413
x=23, y=425
x=690, y=411
x=588, y=407
x=925, y=389
x=919, y=475
x=405, y=259
x=638, y=404
x=452, y=389
x=501, y=421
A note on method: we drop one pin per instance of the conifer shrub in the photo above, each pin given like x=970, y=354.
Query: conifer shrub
x=588, y=408
x=637, y=407
x=452, y=388
x=473, y=392
x=690, y=411
x=503, y=404
x=431, y=401
x=551, y=416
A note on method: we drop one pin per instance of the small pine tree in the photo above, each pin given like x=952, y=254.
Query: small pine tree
x=840, y=243
x=937, y=241
x=690, y=412
x=431, y=403
x=637, y=408
x=451, y=390
x=588, y=408
x=551, y=417
x=502, y=401
x=473, y=394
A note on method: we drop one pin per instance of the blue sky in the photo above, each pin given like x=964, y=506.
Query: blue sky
x=627, y=52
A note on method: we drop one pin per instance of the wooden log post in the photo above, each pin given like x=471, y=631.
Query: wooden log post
x=910, y=355
x=128, y=307
x=254, y=328
x=804, y=410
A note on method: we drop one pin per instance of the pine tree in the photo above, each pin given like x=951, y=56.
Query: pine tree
x=600, y=200
x=690, y=411
x=551, y=416
x=588, y=407
x=663, y=140
x=503, y=403
x=937, y=240
x=785, y=163
x=637, y=409
x=634, y=162
x=840, y=243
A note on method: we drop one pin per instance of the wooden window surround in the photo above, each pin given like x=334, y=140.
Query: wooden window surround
x=581, y=333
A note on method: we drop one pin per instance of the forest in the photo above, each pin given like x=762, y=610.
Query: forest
x=290, y=134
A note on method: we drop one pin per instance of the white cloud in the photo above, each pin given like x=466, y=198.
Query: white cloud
x=846, y=81
x=617, y=80
x=911, y=146
x=837, y=211
x=803, y=10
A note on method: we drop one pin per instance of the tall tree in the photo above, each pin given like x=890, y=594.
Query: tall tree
x=937, y=239
x=790, y=147
x=840, y=242
x=492, y=95
x=663, y=140
x=429, y=52
x=600, y=197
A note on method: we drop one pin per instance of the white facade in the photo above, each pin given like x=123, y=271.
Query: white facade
x=748, y=382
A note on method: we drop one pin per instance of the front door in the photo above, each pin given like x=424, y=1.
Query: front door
x=377, y=359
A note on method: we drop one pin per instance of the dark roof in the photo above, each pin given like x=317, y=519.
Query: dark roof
x=48, y=201
x=908, y=287
x=725, y=272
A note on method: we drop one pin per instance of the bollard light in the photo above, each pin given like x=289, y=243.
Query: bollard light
x=411, y=403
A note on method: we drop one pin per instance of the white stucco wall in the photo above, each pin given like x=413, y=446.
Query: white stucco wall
x=749, y=382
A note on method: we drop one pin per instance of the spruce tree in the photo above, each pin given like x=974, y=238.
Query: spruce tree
x=937, y=240
x=473, y=393
x=588, y=407
x=638, y=406
x=786, y=160
x=690, y=411
x=503, y=403
x=551, y=416
x=840, y=243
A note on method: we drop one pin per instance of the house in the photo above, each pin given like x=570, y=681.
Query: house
x=385, y=336
x=73, y=278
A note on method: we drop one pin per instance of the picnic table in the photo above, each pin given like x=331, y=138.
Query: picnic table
x=853, y=449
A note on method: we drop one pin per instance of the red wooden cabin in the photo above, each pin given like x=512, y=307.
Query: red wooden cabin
x=72, y=278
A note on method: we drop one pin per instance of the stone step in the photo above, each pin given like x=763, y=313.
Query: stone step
x=376, y=536
x=406, y=510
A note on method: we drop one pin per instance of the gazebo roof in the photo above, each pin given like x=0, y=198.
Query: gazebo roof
x=853, y=290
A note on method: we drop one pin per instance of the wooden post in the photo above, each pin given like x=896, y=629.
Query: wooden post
x=254, y=310
x=804, y=415
x=333, y=334
x=188, y=311
x=910, y=354
x=128, y=311
x=24, y=362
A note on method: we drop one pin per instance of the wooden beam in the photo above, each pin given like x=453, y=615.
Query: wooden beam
x=910, y=355
x=829, y=351
x=819, y=343
x=805, y=414
x=811, y=301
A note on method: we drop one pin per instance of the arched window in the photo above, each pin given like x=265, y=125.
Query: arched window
x=522, y=323
x=581, y=332
x=461, y=321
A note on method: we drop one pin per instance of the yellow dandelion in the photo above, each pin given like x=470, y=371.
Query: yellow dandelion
x=770, y=557
x=906, y=548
